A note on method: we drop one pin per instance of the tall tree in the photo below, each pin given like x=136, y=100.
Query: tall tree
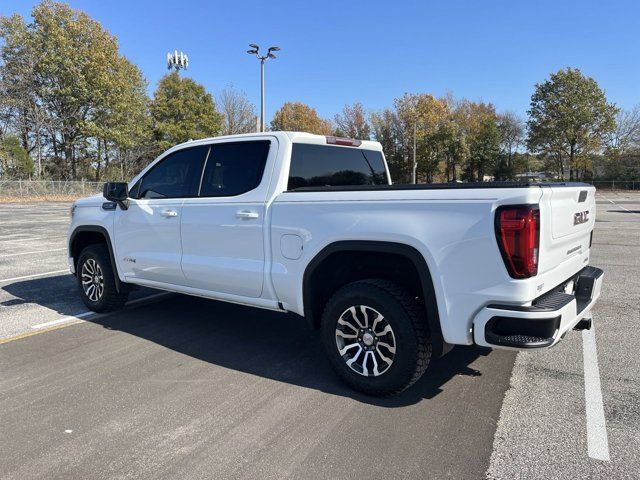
x=387, y=129
x=352, y=122
x=14, y=159
x=297, y=116
x=64, y=79
x=569, y=117
x=625, y=138
x=19, y=100
x=454, y=146
x=421, y=116
x=478, y=124
x=484, y=149
x=182, y=109
x=238, y=113
x=512, y=134
x=124, y=132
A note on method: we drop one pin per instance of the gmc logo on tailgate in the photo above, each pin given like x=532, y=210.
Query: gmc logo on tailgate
x=581, y=217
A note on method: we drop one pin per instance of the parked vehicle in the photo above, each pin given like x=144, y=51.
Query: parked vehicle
x=393, y=275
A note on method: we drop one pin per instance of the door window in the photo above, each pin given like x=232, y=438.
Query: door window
x=234, y=168
x=175, y=176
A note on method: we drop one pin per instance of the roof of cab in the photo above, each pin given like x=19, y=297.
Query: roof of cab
x=295, y=137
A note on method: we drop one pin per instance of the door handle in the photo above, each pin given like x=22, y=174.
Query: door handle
x=247, y=214
x=169, y=213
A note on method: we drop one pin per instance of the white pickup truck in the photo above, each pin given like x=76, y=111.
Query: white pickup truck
x=393, y=275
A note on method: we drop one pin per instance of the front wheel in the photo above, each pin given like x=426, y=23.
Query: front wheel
x=96, y=280
x=376, y=338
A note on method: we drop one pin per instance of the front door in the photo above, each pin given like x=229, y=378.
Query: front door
x=147, y=234
x=223, y=229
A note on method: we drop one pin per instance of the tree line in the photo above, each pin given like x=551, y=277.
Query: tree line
x=73, y=107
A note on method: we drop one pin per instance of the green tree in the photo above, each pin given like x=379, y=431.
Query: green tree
x=484, y=149
x=182, y=109
x=455, y=148
x=569, y=118
x=387, y=129
x=422, y=116
x=65, y=80
x=15, y=162
x=299, y=117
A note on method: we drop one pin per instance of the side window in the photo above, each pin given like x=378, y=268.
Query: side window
x=234, y=168
x=324, y=166
x=176, y=176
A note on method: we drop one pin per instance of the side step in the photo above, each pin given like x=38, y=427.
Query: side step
x=521, y=333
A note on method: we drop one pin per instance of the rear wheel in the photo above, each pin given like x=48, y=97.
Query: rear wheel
x=375, y=335
x=96, y=280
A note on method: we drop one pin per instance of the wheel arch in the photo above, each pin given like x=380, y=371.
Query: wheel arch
x=411, y=262
x=86, y=235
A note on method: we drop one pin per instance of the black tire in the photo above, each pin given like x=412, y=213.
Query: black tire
x=110, y=299
x=408, y=326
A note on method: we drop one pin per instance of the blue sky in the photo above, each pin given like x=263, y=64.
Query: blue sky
x=342, y=52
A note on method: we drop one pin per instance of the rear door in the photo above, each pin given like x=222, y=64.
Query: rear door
x=147, y=234
x=223, y=229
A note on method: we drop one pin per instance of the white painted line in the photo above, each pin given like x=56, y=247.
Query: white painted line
x=597, y=441
x=614, y=203
x=31, y=253
x=89, y=314
x=44, y=274
x=62, y=320
x=4, y=238
x=35, y=222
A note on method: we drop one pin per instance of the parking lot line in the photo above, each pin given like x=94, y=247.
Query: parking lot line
x=614, y=203
x=33, y=252
x=79, y=318
x=36, y=222
x=61, y=320
x=37, y=332
x=597, y=441
x=24, y=277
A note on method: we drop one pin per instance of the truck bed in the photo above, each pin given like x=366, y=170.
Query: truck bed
x=438, y=186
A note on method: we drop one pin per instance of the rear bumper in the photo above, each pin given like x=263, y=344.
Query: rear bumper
x=543, y=323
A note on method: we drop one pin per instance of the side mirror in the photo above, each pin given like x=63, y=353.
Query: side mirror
x=116, y=192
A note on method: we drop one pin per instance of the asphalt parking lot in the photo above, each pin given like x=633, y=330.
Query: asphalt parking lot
x=180, y=387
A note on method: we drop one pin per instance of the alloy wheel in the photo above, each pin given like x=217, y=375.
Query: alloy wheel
x=92, y=280
x=365, y=340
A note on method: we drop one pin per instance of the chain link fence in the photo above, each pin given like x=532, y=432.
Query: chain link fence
x=47, y=189
x=616, y=184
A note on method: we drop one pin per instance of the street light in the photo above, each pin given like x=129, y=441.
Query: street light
x=255, y=50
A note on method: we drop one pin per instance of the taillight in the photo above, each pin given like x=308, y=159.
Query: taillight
x=518, y=234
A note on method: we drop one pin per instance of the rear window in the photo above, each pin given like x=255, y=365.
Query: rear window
x=326, y=166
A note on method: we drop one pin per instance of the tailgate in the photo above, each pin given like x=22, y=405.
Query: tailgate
x=569, y=214
x=572, y=210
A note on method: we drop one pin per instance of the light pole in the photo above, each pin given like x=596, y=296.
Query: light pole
x=255, y=50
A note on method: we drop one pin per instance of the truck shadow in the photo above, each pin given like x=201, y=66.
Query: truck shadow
x=268, y=344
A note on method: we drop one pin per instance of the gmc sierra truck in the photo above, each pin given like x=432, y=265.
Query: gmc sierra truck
x=392, y=275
